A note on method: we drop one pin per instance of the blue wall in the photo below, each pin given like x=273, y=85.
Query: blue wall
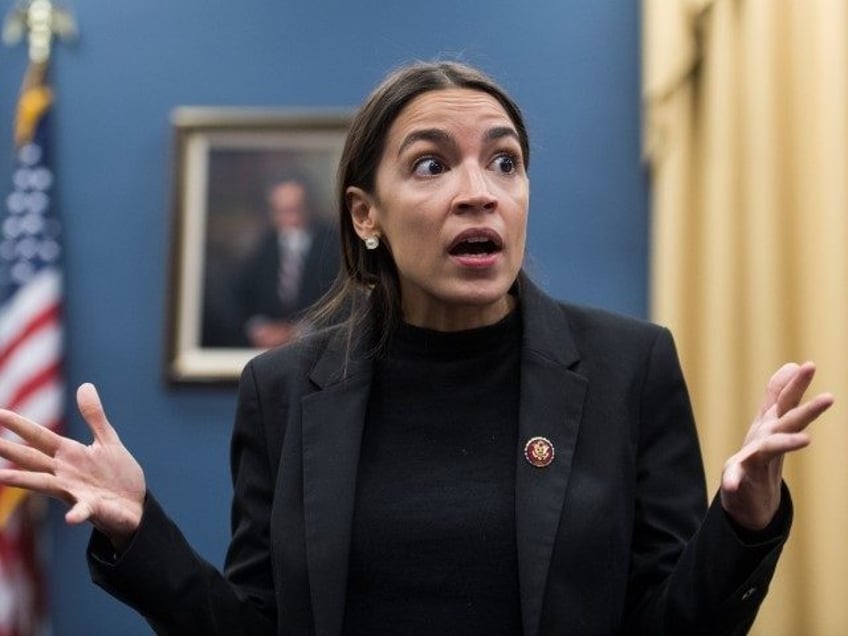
x=573, y=65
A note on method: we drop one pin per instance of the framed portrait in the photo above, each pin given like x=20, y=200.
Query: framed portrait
x=255, y=237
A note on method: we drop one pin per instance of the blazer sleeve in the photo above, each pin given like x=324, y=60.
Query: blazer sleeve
x=691, y=573
x=176, y=590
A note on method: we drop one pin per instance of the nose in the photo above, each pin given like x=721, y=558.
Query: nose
x=474, y=193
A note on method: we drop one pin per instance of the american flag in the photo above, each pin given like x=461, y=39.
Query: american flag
x=30, y=340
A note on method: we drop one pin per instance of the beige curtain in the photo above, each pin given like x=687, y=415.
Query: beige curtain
x=746, y=134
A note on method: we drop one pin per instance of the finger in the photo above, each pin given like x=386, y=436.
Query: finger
x=773, y=447
x=776, y=383
x=791, y=394
x=26, y=457
x=732, y=477
x=800, y=417
x=35, y=435
x=92, y=411
x=78, y=513
x=36, y=482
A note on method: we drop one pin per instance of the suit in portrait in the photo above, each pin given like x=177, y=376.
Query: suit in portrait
x=258, y=287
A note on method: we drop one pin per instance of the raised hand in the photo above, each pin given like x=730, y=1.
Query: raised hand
x=750, y=483
x=101, y=482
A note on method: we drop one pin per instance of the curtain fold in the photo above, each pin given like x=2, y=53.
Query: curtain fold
x=746, y=135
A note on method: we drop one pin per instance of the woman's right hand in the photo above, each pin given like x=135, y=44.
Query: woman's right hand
x=102, y=482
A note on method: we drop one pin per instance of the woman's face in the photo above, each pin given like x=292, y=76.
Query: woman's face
x=450, y=203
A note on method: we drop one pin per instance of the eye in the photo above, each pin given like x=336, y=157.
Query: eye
x=506, y=163
x=428, y=167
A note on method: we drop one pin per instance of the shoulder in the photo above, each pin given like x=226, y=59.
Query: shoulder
x=317, y=360
x=297, y=358
x=597, y=324
x=612, y=350
x=617, y=345
x=583, y=329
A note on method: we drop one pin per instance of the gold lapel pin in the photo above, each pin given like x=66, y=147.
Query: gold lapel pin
x=539, y=452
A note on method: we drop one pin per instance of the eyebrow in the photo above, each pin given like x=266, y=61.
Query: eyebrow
x=499, y=132
x=437, y=135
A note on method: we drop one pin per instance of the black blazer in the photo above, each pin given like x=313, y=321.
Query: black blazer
x=613, y=537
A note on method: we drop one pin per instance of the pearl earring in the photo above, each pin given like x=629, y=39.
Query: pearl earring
x=372, y=242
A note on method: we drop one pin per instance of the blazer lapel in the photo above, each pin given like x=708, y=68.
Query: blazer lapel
x=333, y=421
x=552, y=397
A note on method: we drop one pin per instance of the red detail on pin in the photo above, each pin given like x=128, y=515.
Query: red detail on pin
x=539, y=452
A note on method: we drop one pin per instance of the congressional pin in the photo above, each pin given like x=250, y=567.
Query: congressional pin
x=539, y=452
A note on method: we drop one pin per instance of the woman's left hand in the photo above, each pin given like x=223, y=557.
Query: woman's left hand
x=750, y=482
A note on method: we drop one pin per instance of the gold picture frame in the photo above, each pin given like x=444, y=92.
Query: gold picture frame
x=227, y=161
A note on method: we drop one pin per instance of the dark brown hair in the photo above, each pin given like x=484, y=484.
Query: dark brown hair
x=367, y=290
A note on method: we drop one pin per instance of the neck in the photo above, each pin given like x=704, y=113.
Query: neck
x=459, y=318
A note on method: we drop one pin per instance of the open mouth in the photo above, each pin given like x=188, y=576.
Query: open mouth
x=476, y=243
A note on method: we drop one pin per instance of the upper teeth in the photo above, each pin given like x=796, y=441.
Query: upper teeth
x=476, y=239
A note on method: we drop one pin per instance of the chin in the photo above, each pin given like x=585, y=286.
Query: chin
x=481, y=294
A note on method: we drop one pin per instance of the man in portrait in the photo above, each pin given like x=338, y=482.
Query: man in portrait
x=293, y=263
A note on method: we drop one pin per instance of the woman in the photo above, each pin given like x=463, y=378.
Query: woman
x=461, y=454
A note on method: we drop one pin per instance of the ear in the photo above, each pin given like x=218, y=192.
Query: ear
x=363, y=212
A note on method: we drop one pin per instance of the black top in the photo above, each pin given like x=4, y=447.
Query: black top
x=433, y=547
